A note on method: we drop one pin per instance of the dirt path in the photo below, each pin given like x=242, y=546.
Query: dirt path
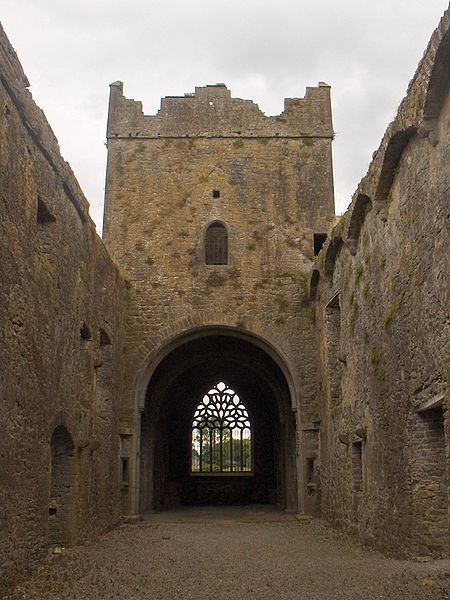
x=229, y=554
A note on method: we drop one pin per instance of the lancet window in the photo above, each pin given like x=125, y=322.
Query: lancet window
x=221, y=433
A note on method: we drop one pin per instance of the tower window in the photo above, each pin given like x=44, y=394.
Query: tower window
x=221, y=433
x=319, y=241
x=216, y=244
x=216, y=193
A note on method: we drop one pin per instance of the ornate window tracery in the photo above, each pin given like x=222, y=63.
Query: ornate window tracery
x=216, y=244
x=221, y=433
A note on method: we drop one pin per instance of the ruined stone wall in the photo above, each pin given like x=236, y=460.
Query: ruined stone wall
x=61, y=306
x=207, y=157
x=381, y=292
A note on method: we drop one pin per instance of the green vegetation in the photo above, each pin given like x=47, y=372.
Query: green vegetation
x=238, y=143
x=208, y=452
x=282, y=303
x=374, y=357
x=359, y=270
x=393, y=309
x=297, y=276
x=353, y=316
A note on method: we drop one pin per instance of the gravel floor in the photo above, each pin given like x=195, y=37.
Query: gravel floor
x=228, y=554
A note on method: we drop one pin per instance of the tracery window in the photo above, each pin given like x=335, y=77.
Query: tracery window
x=221, y=433
x=216, y=244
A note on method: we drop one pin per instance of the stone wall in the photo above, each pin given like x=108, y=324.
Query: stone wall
x=207, y=157
x=60, y=314
x=381, y=293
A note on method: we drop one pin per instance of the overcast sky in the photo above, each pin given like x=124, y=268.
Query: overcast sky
x=264, y=50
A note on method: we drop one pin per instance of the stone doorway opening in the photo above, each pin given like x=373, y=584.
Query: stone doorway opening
x=170, y=473
x=61, y=507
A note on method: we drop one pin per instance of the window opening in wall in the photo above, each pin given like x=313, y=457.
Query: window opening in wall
x=319, y=241
x=310, y=470
x=221, y=433
x=216, y=193
x=85, y=333
x=61, y=501
x=429, y=474
x=104, y=338
x=43, y=215
x=124, y=470
x=216, y=244
x=310, y=476
x=333, y=340
x=357, y=471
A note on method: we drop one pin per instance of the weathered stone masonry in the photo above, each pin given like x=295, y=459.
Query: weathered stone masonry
x=345, y=378
x=61, y=308
x=207, y=157
x=381, y=289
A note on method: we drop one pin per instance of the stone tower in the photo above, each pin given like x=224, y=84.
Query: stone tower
x=213, y=213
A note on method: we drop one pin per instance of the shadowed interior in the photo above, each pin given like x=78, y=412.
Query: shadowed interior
x=177, y=386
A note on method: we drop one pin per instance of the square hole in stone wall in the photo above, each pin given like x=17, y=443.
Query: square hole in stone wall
x=216, y=193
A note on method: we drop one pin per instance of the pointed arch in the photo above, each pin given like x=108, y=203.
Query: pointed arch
x=439, y=82
x=392, y=156
x=362, y=206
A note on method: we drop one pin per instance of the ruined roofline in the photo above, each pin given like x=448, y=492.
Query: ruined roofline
x=430, y=81
x=33, y=119
x=211, y=111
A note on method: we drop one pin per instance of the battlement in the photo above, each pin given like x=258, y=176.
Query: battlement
x=212, y=112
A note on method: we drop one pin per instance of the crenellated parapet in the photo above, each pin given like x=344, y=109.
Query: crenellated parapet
x=212, y=112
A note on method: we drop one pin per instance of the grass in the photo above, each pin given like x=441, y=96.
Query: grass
x=393, y=309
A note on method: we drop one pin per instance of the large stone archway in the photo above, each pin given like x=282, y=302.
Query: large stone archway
x=176, y=378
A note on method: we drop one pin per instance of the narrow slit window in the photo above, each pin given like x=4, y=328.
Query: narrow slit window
x=216, y=244
x=221, y=434
x=357, y=470
x=124, y=473
x=310, y=470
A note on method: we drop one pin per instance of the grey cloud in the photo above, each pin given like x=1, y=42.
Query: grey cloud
x=262, y=49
